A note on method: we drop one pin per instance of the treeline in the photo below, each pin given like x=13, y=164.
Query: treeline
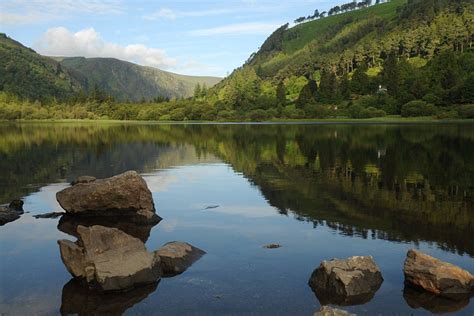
x=346, y=7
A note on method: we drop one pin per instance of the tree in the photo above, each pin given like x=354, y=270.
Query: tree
x=197, y=90
x=305, y=97
x=281, y=93
x=391, y=74
x=328, y=86
x=344, y=87
x=360, y=80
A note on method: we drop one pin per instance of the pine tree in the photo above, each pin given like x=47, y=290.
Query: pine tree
x=281, y=93
x=328, y=89
x=391, y=74
x=360, y=80
x=197, y=90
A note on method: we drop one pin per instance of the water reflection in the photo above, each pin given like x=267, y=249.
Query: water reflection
x=399, y=183
x=432, y=303
x=78, y=299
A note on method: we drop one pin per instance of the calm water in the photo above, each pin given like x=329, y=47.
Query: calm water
x=321, y=191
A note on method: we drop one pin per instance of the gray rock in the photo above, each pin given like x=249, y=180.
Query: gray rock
x=346, y=282
x=124, y=194
x=83, y=179
x=109, y=259
x=177, y=256
x=329, y=311
x=437, y=277
x=11, y=212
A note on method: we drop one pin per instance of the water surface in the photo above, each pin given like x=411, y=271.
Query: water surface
x=321, y=191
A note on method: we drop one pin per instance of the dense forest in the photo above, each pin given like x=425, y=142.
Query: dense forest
x=409, y=58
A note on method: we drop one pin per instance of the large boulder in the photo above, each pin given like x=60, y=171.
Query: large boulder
x=109, y=259
x=346, y=282
x=11, y=212
x=177, y=256
x=124, y=194
x=437, y=277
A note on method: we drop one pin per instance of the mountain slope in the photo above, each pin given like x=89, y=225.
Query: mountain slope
x=27, y=74
x=128, y=81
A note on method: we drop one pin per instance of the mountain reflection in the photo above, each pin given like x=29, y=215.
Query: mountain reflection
x=400, y=183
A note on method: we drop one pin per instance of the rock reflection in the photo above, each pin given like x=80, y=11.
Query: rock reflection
x=78, y=299
x=132, y=225
x=433, y=303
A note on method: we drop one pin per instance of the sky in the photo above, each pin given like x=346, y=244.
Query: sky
x=188, y=37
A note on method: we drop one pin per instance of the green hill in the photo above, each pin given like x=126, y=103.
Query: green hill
x=377, y=57
x=128, y=81
x=25, y=73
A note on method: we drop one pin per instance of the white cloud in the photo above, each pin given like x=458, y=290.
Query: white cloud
x=239, y=28
x=162, y=14
x=59, y=41
x=33, y=11
x=170, y=15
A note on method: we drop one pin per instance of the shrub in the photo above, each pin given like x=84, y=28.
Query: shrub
x=371, y=112
x=417, y=108
x=466, y=111
x=257, y=115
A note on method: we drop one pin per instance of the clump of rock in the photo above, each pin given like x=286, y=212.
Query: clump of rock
x=11, y=212
x=124, y=194
x=177, y=256
x=109, y=259
x=346, y=282
x=437, y=277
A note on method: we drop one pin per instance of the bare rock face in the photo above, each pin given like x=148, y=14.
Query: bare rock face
x=346, y=282
x=11, y=212
x=109, y=259
x=124, y=194
x=329, y=311
x=437, y=277
x=176, y=257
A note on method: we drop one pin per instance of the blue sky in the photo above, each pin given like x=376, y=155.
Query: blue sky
x=183, y=36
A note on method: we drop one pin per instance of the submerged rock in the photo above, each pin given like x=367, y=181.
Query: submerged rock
x=83, y=179
x=130, y=224
x=109, y=259
x=346, y=282
x=418, y=298
x=177, y=256
x=329, y=311
x=11, y=212
x=49, y=215
x=437, y=277
x=79, y=299
x=124, y=194
x=272, y=246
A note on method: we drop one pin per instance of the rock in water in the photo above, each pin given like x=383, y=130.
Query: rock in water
x=124, y=194
x=11, y=212
x=177, y=256
x=83, y=179
x=109, y=259
x=436, y=276
x=329, y=311
x=346, y=282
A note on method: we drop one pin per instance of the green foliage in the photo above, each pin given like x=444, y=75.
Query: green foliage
x=417, y=108
x=466, y=111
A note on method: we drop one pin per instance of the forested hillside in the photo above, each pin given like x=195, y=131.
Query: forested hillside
x=28, y=75
x=130, y=82
x=410, y=58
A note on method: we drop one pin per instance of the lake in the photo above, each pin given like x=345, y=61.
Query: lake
x=322, y=191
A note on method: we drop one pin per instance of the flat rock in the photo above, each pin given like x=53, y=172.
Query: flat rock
x=437, y=277
x=11, y=212
x=124, y=194
x=346, y=282
x=177, y=256
x=109, y=259
x=272, y=246
x=49, y=215
x=329, y=311
x=79, y=299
